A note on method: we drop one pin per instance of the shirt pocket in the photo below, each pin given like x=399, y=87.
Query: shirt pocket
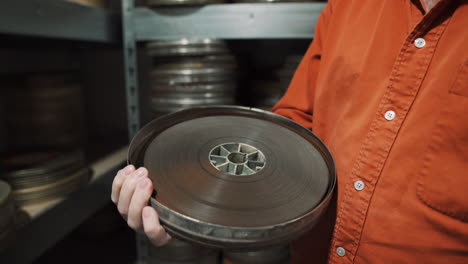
x=460, y=85
x=443, y=179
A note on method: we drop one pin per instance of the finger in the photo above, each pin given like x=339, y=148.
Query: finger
x=128, y=188
x=139, y=201
x=153, y=229
x=119, y=180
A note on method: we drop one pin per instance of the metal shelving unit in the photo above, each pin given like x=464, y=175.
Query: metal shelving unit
x=227, y=21
x=58, y=19
x=224, y=21
x=61, y=20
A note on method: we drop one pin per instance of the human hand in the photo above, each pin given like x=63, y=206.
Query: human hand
x=131, y=191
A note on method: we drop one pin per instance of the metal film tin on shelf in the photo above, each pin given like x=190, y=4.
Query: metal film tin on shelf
x=186, y=47
x=191, y=73
x=43, y=175
x=51, y=105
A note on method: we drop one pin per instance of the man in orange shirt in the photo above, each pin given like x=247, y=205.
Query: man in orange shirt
x=385, y=86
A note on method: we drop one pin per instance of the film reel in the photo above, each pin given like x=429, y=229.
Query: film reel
x=235, y=177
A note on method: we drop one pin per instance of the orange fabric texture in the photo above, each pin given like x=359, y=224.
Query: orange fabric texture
x=385, y=86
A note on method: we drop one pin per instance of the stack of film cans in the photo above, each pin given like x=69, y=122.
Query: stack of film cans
x=45, y=110
x=38, y=176
x=189, y=73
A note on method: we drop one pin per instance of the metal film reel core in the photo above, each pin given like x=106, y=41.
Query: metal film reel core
x=237, y=159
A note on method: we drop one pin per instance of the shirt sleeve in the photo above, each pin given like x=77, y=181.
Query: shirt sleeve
x=298, y=101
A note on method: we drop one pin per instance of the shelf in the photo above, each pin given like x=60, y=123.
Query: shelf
x=58, y=19
x=228, y=21
x=53, y=220
x=27, y=61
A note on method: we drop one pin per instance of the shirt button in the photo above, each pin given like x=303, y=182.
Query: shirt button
x=390, y=115
x=340, y=251
x=359, y=185
x=419, y=43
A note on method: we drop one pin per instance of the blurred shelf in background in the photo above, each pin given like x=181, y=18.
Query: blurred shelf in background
x=227, y=21
x=59, y=19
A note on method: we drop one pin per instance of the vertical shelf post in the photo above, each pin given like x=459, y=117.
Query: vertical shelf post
x=130, y=68
x=131, y=89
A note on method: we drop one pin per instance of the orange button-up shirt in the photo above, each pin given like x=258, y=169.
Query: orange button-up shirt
x=385, y=86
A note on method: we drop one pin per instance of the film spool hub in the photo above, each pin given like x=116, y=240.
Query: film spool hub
x=234, y=177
